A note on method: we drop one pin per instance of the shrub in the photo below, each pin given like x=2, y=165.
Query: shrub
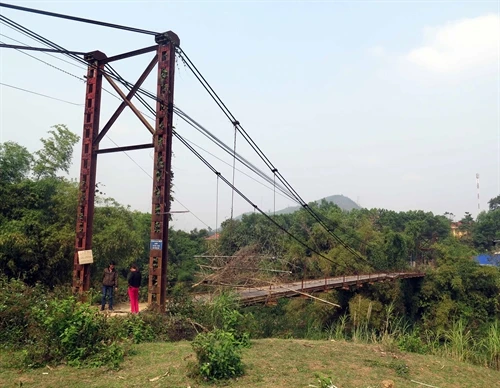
x=219, y=355
x=16, y=301
x=67, y=330
x=132, y=327
x=223, y=314
x=411, y=342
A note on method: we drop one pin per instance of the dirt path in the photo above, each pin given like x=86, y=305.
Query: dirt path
x=124, y=309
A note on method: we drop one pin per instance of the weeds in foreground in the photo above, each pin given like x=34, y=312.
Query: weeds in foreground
x=457, y=343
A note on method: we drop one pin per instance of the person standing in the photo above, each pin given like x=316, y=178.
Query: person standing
x=134, y=282
x=109, y=282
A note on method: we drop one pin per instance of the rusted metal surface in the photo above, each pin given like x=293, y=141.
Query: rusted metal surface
x=264, y=294
x=162, y=143
x=85, y=212
x=125, y=148
x=129, y=96
x=162, y=140
x=131, y=54
x=130, y=105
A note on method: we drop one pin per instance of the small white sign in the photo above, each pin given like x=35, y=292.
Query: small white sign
x=85, y=257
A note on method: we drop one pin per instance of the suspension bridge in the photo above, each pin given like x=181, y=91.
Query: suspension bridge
x=165, y=51
x=306, y=288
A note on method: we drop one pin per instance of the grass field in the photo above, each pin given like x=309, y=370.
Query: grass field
x=269, y=363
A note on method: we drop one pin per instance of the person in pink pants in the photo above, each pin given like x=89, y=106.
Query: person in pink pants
x=134, y=282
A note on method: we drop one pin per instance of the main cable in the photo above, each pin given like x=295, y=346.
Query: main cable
x=187, y=61
x=48, y=64
x=139, y=97
x=220, y=176
x=318, y=219
x=221, y=105
x=189, y=120
x=78, y=19
x=227, y=182
x=150, y=176
x=35, y=36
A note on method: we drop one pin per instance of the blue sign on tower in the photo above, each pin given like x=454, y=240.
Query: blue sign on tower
x=156, y=244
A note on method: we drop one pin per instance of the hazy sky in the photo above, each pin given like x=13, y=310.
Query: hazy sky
x=394, y=104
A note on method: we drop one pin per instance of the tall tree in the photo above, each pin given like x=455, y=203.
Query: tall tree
x=15, y=162
x=57, y=152
x=494, y=203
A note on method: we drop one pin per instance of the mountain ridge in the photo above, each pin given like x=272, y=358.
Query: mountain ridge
x=343, y=202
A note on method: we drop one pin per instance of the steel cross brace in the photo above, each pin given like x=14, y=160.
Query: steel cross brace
x=162, y=143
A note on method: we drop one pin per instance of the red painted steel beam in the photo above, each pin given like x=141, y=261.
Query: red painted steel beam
x=132, y=53
x=162, y=139
x=85, y=212
x=130, y=105
x=130, y=94
x=125, y=148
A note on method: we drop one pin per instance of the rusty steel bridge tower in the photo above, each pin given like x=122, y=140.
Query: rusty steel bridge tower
x=164, y=60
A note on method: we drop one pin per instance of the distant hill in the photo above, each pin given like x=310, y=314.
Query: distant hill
x=345, y=203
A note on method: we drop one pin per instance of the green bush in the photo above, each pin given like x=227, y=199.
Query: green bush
x=223, y=314
x=65, y=330
x=133, y=327
x=219, y=355
x=16, y=301
x=411, y=342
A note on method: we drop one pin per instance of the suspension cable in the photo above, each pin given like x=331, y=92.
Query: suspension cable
x=256, y=208
x=77, y=19
x=259, y=152
x=221, y=105
x=234, y=168
x=217, y=207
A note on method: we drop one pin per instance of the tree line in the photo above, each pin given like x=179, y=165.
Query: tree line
x=37, y=232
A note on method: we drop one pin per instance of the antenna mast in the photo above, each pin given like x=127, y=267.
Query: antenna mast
x=478, y=201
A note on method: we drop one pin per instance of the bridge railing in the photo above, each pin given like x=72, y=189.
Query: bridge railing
x=347, y=280
x=360, y=278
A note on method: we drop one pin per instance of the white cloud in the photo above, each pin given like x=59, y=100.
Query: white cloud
x=460, y=45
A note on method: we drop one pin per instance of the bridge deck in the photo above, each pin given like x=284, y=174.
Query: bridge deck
x=249, y=296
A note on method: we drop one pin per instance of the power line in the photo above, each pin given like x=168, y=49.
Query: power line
x=50, y=55
x=77, y=19
x=41, y=49
x=49, y=64
x=40, y=94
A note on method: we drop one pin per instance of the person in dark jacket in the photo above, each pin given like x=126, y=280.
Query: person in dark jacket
x=109, y=282
x=134, y=282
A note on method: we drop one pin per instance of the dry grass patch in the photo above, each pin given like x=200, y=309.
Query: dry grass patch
x=269, y=363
